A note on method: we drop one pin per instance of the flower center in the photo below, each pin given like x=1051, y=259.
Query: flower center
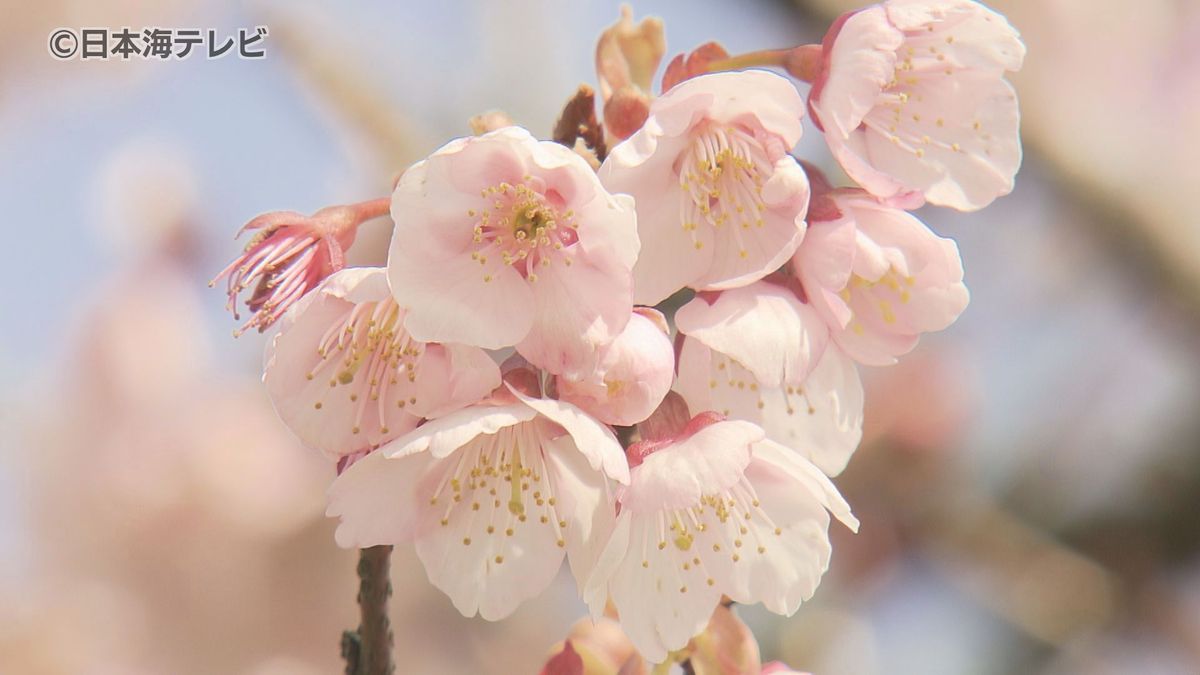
x=523, y=229
x=368, y=351
x=722, y=174
x=498, y=485
x=730, y=523
x=902, y=116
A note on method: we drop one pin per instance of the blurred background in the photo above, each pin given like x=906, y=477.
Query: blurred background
x=1029, y=485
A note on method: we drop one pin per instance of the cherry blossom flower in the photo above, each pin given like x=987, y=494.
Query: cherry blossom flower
x=720, y=201
x=634, y=374
x=493, y=496
x=912, y=97
x=878, y=276
x=757, y=353
x=503, y=240
x=713, y=508
x=626, y=58
x=289, y=255
x=346, y=376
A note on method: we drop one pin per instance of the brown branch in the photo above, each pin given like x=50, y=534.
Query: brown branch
x=368, y=650
x=578, y=120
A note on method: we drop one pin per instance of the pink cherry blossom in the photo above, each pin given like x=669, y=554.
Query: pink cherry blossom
x=503, y=240
x=345, y=375
x=289, y=255
x=493, y=496
x=879, y=277
x=634, y=374
x=720, y=201
x=757, y=353
x=912, y=97
x=713, y=509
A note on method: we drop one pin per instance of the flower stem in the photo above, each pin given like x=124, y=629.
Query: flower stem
x=802, y=63
x=373, y=208
x=765, y=57
x=368, y=650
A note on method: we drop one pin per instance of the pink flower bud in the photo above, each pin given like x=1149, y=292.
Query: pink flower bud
x=626, y=58
x=634, y=374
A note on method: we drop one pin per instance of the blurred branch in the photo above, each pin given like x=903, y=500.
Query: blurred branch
x=1049, y=591
x=335, y=71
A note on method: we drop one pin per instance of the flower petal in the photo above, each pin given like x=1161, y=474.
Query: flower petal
x=449, y=299
x=376, y=500
x=709, y=461
x=763, y=326
x=443, y=436
x=634, y=374
x=819, y=418
x=595, y=441
x=579, y=309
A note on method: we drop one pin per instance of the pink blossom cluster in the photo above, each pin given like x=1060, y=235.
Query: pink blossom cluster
x=650, y=368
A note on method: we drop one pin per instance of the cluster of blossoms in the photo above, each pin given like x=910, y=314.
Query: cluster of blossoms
x=649, y=368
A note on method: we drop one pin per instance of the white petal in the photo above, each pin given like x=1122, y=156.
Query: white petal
x=661, y=604
x=490, y=535
x=785, y=543
x=376, y=500
x=678, y=476
x=585, y=502
x=446, y=434
x=763, y=326
x=820, y=418
x=469, y=572
x=578, y=310
x=596, y=588
x=449, y=299
x=595, y=441
x=862, y=61
x=461, y=375
x=814, y=480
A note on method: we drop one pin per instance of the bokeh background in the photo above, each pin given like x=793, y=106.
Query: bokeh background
x=1029, y=485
